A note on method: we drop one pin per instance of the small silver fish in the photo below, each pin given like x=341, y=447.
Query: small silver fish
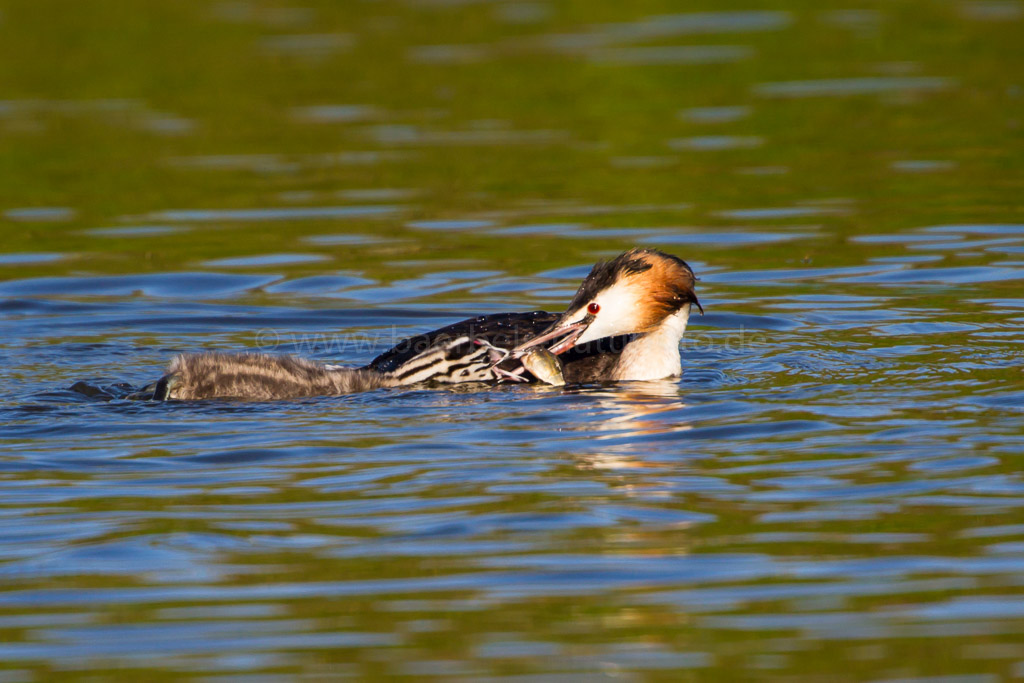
x=544, y=365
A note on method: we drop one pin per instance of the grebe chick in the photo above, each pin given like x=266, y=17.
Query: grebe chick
x=259, y=376
x=624, y=323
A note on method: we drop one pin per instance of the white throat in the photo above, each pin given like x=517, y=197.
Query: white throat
x=656, y=354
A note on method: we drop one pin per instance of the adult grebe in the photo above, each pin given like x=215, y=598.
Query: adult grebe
x=624, y=323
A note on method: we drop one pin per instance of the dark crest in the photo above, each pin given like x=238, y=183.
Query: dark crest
x=604, y=274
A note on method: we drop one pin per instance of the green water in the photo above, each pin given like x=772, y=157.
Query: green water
x=103, y=99
x=830, y=492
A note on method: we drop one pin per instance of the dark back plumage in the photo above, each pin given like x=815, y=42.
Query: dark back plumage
x=461, y=352
x=446, y=353
x=503, y=330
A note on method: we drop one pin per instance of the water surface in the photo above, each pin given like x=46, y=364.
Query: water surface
x=831, y=490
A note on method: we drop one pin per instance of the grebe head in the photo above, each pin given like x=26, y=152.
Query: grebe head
x=631, y=294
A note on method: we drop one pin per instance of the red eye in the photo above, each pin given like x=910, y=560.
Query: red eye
x=593, y=308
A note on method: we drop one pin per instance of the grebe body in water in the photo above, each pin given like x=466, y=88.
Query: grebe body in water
x=624, y=323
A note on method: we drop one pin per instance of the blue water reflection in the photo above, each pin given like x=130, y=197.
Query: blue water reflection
x=830, y=491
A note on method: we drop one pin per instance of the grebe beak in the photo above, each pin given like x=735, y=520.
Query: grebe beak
x=562, y=330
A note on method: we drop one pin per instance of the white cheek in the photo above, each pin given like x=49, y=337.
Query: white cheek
x=616, y=317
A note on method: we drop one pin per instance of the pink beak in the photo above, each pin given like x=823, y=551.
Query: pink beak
x=571, y=332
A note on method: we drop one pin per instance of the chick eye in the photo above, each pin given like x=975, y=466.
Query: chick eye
x=593, y=308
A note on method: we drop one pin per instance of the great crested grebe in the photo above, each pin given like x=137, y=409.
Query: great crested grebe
x=624, y=323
